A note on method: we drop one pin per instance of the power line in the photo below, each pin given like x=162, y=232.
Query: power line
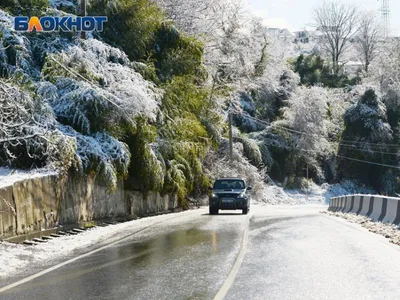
x=340, y=143
x=319, y=135
x=366, y=150
x=368, y=162
x=340, y=156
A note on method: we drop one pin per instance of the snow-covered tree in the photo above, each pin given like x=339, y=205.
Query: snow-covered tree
x=235, y=40
x=304, y=125
x=367, y=137
x=306, y=113
x=28, y=132
x=95, y=88
x=384, y=73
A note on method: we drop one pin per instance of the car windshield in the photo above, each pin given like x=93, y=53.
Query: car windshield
x=229, y=184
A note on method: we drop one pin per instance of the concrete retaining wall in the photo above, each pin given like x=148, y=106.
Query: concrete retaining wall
x=378, y=208
x=41, y=203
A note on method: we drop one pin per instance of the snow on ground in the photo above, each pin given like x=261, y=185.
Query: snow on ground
x=316, y=194
x=10, y=176
x=277, y=195
x=389, y=231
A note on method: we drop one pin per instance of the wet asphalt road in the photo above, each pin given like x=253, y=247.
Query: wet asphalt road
x=291, y=253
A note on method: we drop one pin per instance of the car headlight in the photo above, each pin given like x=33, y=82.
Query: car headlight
x=213, y=195
x=243, y=195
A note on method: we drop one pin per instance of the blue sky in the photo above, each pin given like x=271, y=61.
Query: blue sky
x=295, y=14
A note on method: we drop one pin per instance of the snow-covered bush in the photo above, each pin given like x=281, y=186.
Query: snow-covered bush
x=104, y=73
x=91, y=86
x=28, y=132
x=306, y=113
x=367, y=119
x=15, y=52
x=304, y=128
x=367, y=137
x=100, y=154
x=251, y=150
x=65, y=5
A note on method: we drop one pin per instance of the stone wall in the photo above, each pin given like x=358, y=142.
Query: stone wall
x=8, y=220
x=43, y=202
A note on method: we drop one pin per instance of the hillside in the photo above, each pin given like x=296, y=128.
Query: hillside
x=147, y=101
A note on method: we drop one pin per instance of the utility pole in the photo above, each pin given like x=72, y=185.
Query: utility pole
x=83, y=14
x=230, y=137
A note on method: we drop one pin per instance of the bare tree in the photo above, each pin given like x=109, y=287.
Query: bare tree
x=338, y=24
x=367, y=38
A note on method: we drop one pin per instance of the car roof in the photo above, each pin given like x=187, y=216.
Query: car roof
x=230, y=178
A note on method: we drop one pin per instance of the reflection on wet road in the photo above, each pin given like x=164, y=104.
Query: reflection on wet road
x=185, y=261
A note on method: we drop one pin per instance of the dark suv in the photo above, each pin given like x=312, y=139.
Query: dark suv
x=230, y=194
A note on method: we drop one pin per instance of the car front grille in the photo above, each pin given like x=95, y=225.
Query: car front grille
x=227, y=205
x=231, y=196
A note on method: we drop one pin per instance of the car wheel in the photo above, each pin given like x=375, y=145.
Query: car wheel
x=213, y=211
x=245, y=210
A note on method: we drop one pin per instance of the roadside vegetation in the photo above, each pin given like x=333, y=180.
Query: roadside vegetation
x=147, y=101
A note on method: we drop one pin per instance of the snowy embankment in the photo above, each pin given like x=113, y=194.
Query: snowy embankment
x=316, y=194
x=10, y=176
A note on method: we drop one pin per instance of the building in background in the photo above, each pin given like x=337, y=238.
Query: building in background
x=281, y=33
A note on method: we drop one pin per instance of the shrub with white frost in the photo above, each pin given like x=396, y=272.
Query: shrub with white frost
x=306, y=119
x=101, y=154
x=368, y=138
x=28, y=133
x=104, y=73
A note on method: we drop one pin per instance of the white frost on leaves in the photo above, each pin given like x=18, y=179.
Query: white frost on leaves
x=27, y=127
x=101, y=152
x=6, y=19
x=371, y=112
x=89, y=82
x=62, y=4
x=306, y=117
x=10, y=39
x=108, y=76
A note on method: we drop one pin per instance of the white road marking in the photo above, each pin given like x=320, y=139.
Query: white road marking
x=235, y=269
x=34, y=276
